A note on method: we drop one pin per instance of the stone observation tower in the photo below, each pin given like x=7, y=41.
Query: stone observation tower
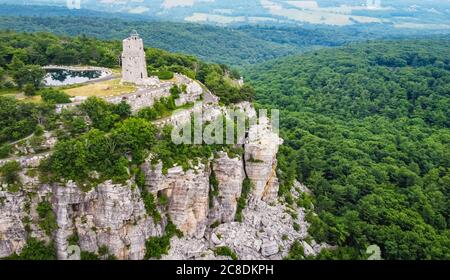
x=134, y=66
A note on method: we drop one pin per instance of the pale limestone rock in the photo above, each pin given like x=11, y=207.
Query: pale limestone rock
x=186, y=248
x=247, y=108
x=230, y=174
x=191, y=249
x=114, y=206
x=193, y=92
x=112, y=215
x=187, y=192
x=307, y=249
x=266, y=233
x=269, y=248
x=215, y=239
x=12, y=232
x=179, y=118
x=31, y=161
x=260, y=159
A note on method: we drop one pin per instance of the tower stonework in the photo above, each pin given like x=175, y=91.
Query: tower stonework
x=134, y=65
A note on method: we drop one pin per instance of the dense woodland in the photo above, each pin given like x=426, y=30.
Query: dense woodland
x=220, y=45
x=241, y=45
x=366, y=127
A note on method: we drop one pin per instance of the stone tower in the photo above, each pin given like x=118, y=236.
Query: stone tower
x=134, y=66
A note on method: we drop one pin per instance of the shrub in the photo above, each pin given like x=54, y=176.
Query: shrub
x=150, y=205
x=296, y=252
x=172, y=230
x=39, y=130
x=19, y=119
x=76, y=125
x=54, y=96
x=242, y=202
x=158, y=246
x=89, y=256
x=103, y=250
x=73, y=239
x=100, y=112
x=10, y=172
x=36, y=250
x=105, y=153
x=163, y=200
x=122, y=109
x=175, y=92
x=47, y=219
x=161, y=108
x=213, y=188
x=226, y=251
x=163, y=74
x=29, y=90
x=215, y=224
x=5, y=150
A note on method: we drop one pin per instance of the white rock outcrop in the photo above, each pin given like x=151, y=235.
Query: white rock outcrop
x=12, y=231
x=230, y=174
x=187, y=192
x=261, y=159
x=112, y=215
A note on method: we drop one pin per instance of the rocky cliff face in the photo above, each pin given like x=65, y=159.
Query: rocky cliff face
x=12, y=230
x=229, y=174
x=187, y=192
x=267, y=232
x=260, y=160
x=201, y=202
x=111, y=215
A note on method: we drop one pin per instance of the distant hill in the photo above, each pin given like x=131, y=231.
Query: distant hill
x=236, y=46
x=216, y=44
x=430, y=14
x=366, y=127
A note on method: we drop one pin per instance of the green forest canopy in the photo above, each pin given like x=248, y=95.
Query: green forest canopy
x=366, y=127
x=238, y=46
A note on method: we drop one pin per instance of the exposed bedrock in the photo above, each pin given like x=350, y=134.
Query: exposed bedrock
x=230, y=174
x=261, y=160
x=187, y=192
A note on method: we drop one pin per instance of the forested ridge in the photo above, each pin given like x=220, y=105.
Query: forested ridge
x=210, y=43
x=366, y=127
x=235, y=46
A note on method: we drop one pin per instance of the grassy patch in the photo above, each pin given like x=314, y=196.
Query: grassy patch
x=105, y=88
x=156, y=247
x=242, y=202
x=47, y=219
x=227, y=252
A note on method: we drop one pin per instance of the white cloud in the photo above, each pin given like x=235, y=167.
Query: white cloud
x=169, y=4
x=138, y=10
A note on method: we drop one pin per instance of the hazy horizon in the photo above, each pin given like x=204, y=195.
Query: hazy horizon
x=415, y=14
